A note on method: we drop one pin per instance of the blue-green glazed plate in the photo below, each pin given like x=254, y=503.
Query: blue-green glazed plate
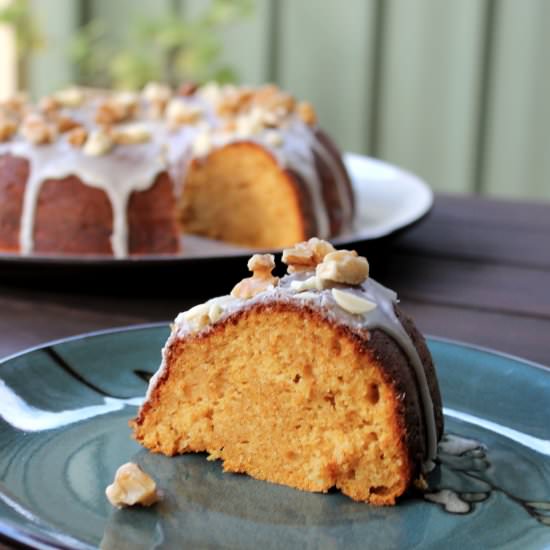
x=64, y=431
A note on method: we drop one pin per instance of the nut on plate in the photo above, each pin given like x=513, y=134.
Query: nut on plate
x=132, y=486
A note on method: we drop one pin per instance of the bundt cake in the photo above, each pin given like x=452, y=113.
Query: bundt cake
x=315, y=380
x=95, y=172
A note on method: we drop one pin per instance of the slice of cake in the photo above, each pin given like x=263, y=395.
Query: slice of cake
x=315, y=380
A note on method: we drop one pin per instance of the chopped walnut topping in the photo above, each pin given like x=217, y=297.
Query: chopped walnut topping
x=306, y=255
x=188, y=89
x=154, y=91
x=65, y=123
x=203, y=314
x=351, y=302
x=99, y=143
x=197, y=316
x=343, y=266
x=274, y=100
x=158, y=96
x=234, y=101
x=249, y=124
x=128, y=100
x=202, y=144
x=16, y=105
x=179, y=112
x=70, y=97
x=111, y=112
x=211, y=93
x=7, y=129
x=132, y=134
x=132, y=486
x=77, y=137
x=37, y=130
x=49, y=105
x=261, y=266
x=307, y=113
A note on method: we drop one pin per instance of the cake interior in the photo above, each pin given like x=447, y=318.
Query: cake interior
x=284, y=396
x=241, y=195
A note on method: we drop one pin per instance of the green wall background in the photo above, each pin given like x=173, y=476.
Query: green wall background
x=454, y=90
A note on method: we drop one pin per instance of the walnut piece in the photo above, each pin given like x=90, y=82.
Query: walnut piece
x=132, y=134
x=7, y=129
x=179, y=112
x=188, y=89
x=77, y=137
x=158, y=95
x=261, y=266
x=99, y=143
x=16, y=105
x=112, y=112
x=306, y=255
x=37, y=130
x=65, y=123
x=307, y=113
x=132, y=486
x=351, y=302
x=155, y=91
x=49, y=105
x=70, y=97
x=203, y=314
x=271, y=98
x=343, y=266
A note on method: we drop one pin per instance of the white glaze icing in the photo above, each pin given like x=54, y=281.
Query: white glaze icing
x=381, y=317
x=130, y=168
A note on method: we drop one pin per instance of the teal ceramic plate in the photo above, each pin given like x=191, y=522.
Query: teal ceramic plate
x=64, y=431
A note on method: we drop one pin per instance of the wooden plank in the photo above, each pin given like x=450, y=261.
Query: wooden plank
x=50, y=68
x=511, y=289
x=32, y=317
x=485, y=231
x=517, y=161
x=432, y=52
x=325, y=55
x=525, y=337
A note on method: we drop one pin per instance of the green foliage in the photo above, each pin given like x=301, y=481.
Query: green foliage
x=168, y=48
x=17, y=15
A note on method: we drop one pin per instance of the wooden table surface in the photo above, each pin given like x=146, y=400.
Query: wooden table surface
x=474, y=270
